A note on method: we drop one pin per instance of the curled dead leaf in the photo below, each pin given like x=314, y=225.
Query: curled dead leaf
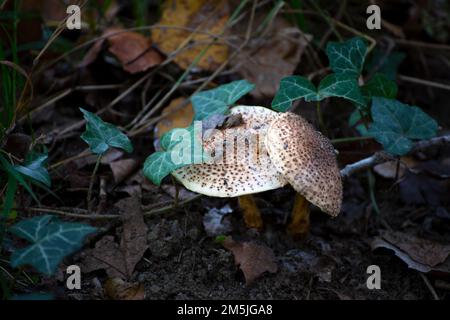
x=132, y=49
x=420, y=254
x=253, y=259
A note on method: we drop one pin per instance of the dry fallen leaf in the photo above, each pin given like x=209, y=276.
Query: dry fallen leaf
x=119, y=260
x=117, y=289
x=388, y=169
x=122, y=169
x=253, y=259
x=132, y=49
x=273, y=55
x=175, y=117
x=183, y=17
x=420, y=254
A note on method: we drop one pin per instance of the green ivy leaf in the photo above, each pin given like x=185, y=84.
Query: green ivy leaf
x=218, y=100
x=354, y=121
x=158, y=165
x=34, y=168
x=343, y=86
x=334, y=85
x=379, y=86
x=384, y=63
x=100, y=135
x=18, y=177
x=347, y=57
x=395, y=124
x=293, y=88
x=51, y=239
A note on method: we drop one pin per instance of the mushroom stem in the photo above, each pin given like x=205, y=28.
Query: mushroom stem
x=299, y=225
x=252, y=216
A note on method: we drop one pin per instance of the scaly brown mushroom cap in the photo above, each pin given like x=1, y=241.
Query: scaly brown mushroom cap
x=307, y=160
x=240, y=163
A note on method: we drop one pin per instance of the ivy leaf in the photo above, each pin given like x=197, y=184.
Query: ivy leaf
x=395, y=125
x=218, y=100
x=100, y=135
x=182, y=147
x=158, y=165
x=293, y=88
x=343, y=86
x=355, y=121
x=192, y=133
x=334, y=85
x=51, y=241
x=380, y=86
x=384, y=63
x=34, y=168
x=347, y=57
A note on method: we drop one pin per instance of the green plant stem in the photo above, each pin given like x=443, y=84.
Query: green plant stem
x=371, y=180
x=349, y=139
x=323, y=128
x=91, y=183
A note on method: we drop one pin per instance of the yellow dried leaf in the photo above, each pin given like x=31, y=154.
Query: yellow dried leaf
x=182, y=17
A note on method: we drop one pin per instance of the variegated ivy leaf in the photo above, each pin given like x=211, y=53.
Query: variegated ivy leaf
x=334, y=85
x=347, y=57
x=342, y=86
x=51, y=241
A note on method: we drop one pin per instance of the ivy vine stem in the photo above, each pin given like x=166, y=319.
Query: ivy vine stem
x=91, y=183
x=323, y=128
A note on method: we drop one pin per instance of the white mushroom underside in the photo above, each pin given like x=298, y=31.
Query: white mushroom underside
x=244, y=167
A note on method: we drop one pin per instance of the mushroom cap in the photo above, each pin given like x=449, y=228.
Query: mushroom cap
x=307, y=160
x=239, y=161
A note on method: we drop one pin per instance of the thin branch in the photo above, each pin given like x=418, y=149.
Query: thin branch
x=93, y=216
x=381, y=157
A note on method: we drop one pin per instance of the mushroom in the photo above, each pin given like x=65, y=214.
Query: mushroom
x=266, y=151
x=307, y=160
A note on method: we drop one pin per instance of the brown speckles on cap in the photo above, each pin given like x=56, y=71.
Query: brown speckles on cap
x=239, y=174
x=307, y=160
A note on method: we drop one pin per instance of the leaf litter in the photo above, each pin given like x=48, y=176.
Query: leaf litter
x=120, y=259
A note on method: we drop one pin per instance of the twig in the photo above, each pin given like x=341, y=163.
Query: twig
x=91, y=183
x=380, y=157
x=429, y=286
x=93, y=216
x=425, y=82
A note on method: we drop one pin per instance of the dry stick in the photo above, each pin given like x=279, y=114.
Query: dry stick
x=426, y=83
x=429, y=286
x=80, y=123
x=380, y=157
x=88, y=216
x=91, y=183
